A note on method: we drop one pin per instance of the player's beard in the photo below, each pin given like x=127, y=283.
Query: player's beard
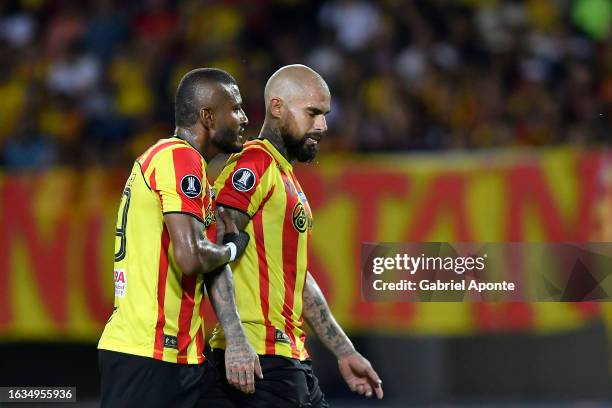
x=300, y=150
x=227, y=140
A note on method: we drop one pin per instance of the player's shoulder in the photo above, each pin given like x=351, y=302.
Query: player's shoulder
x=170, y=151
x=254, y=154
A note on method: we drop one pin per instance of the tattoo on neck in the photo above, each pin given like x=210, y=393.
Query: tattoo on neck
x=274, y=136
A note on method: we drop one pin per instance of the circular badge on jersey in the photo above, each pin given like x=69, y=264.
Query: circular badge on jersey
x=300, y=221
x=243, y=179
x=191, y=186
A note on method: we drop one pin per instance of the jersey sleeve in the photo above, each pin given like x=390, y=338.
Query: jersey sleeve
x=245, y=181
x=178, y=178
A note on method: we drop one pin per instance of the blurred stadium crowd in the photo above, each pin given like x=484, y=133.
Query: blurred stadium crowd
x=86, y=82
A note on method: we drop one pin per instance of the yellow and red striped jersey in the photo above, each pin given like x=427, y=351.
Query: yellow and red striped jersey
x=269, y=277
x=157, y=309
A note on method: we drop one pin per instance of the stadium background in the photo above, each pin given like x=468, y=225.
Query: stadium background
x=467, y=120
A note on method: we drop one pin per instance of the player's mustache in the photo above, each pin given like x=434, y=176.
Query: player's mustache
x=314, y=135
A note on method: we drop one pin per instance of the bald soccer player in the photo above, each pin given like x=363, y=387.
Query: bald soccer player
x=151, y=350
x=274, y=290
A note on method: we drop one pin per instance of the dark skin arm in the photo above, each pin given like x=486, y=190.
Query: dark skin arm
x=192, y=251
x=231, y=216
x=195, y=254
x=356, y=370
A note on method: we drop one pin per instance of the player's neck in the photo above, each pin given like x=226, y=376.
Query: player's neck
x=195, y=140
x=273, y=135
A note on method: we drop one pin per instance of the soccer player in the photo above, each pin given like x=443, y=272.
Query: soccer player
x=274, y=290
x=151, y=350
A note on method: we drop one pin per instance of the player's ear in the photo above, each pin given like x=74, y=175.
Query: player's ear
x=207, y=116
x=276, y=107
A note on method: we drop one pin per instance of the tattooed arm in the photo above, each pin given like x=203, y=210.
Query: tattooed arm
x=319, y=317
x=356, y=370
x=240, y=358
x=241, y=361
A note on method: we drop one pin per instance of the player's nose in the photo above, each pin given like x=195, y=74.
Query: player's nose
x=243, y=118
x=320, y=124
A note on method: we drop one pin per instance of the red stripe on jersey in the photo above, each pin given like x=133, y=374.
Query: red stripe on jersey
x=188, y=161
x=200, y=335
x=303, y=340
x=256, y=160
x=200, y=343
x=154, y=151
x=162, y=275
x=185, y=316
x=290, y=248
x=264, y=282
x=211, y=232
x=301, y=320
x=153, y=183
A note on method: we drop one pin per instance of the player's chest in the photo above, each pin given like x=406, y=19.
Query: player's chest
x=289, y=202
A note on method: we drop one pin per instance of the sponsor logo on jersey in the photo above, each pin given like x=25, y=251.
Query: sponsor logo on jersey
x=120, y=282
x=300, y=219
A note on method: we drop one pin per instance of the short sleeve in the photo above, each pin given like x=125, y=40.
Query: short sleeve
x=178, y=178
x=245, y=181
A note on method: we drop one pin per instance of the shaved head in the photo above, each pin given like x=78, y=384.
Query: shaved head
x=297, y=100
x=292, y=82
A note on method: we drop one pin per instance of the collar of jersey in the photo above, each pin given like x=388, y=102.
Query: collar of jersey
x=280, y=159
x=190, y=145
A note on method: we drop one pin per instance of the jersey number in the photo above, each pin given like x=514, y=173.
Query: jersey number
x=120, y=231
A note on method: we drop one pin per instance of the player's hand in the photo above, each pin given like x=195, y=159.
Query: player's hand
x=225, y=220
x=360, y=376
x=241, y=364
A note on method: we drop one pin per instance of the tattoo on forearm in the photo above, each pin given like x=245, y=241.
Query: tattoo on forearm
x=220, y=286
x=319, y=317
x=331, y=332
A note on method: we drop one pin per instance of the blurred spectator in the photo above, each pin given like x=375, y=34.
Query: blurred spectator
x=28, y=147
x=73, y=72
x=18, y=30
x=424, y=74
x=105, y=30
x=594, y=17
x=354, y=22
x=129, y=75
x=12, y=94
